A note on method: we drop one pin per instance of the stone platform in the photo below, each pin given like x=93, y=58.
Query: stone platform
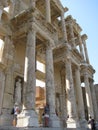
x=40, y=128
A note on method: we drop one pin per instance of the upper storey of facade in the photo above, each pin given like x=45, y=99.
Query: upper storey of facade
x=47, y=17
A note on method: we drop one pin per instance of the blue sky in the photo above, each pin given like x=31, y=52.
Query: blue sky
x=86, y=14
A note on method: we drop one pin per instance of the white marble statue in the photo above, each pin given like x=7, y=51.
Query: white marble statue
x=18, y=88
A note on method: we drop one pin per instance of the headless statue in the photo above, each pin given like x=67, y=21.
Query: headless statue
x=18, y=91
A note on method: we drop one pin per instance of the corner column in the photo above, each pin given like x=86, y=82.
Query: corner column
x=95, y=107
x=48, y=14
x=28, y=116
x=50, y=89
x=72, y=121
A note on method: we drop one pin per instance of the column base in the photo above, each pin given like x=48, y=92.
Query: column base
x=83, y=124
x=27, y=118
x=71, y=123
x=54, y=121
x=6, y=120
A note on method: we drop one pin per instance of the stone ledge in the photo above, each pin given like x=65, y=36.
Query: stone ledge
x=39, y=128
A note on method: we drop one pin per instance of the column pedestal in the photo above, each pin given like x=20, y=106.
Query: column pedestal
x=54, y=121
x=73, y=124
x=27, y=118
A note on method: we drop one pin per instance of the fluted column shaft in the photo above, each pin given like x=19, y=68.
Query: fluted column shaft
x=63, y=27
x=48, y=11
x=88, y=95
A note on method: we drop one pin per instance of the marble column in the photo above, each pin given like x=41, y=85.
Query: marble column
x=32, y=3
x=80, y=45
x=16, y=7
x=50, y=89
x=28, y=116
x=71, y=33
x=72, y=121
x=88, y=95
x=84, y=37
x=1, y=10
x=94, y=100
x=11, y=9
x=2, y=83
x=7, y=103
x=79, y=98
x=63, y=98
x=63, y=27
x=48, y=11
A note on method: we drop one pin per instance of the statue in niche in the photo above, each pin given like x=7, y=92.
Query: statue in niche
x=18, y=88
x=58, y=105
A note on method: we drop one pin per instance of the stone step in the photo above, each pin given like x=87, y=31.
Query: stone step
x=40, y=128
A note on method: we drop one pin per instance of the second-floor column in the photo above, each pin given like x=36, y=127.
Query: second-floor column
x=71, y=33
x=32, y=3
x=80, y=45
x=50, y=88
x=63, y=26
x=48, y=11
x=16, y=4
x=28, y=115
x=84, y=37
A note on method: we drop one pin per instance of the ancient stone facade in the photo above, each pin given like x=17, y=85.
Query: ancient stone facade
x=36, y=30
